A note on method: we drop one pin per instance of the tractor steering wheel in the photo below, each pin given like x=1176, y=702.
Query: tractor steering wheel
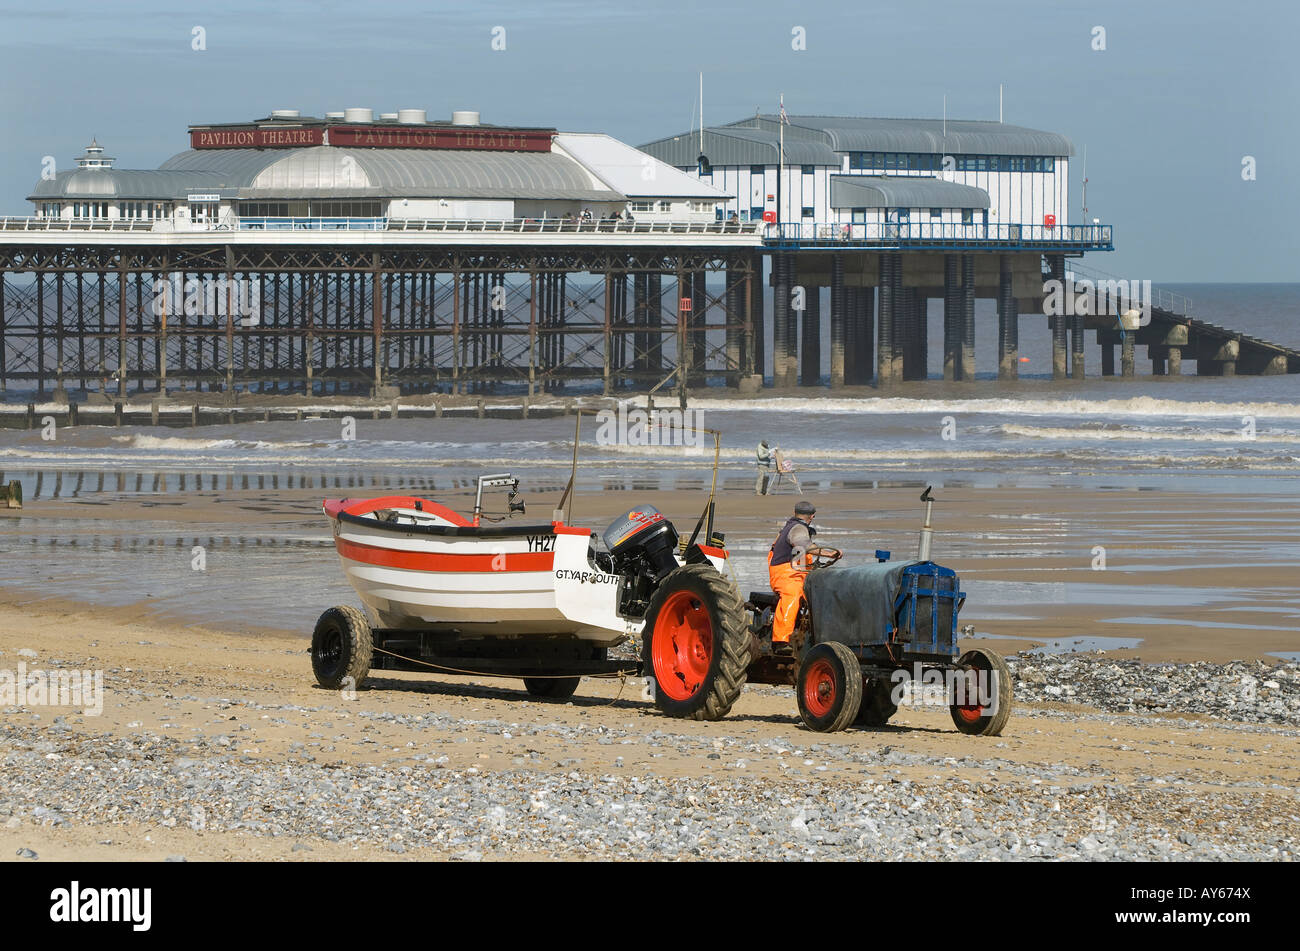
x=820, y=557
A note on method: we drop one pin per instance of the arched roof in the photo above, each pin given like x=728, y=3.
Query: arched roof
x=337, y=172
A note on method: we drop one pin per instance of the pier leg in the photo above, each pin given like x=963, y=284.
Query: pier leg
x=855, y=370
x=1126, y=355
x=902, y=321
x=810, y=356
x=698, y=326
x=1056, y=263
x=885, y=323
x=654, y=322
x=1107, y=359
x=1008, y=320
x=1175, y=362
x=922, y=335
x=952, y=316
x=1076, y=347
x=837, y=321
x=781, y=344
x=735, y=320
x=863, y=316
x=967, y=318
x=757, y=314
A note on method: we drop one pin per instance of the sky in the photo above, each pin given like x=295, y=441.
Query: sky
x=1182, y=99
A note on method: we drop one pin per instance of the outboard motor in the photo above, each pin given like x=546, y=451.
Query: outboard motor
x=641, y=544
x=642, y=534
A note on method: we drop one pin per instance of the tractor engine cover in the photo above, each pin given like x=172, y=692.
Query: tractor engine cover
x=645, y=530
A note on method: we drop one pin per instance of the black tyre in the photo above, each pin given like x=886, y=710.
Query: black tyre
x=986, y=712
x=551, y=688
x=877, y=703
x=696, y=643
x=829, y=687
x=341, y=648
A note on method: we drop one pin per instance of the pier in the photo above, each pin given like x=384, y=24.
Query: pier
x=399, y=256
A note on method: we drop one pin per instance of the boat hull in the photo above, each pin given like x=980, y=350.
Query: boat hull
x=438, y=573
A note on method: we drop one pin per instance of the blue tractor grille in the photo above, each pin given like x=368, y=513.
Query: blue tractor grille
x=926, y=609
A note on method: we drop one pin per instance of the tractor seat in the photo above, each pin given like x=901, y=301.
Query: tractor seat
x=763, y=599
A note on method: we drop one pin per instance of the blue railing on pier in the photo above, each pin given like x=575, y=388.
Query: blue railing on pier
x=927, y=234
x=313, y=224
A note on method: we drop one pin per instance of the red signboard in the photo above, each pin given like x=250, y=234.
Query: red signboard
x=424, y=137
x=254, y=138
x=1049, y=221
x=686, y=304
x=769, y=217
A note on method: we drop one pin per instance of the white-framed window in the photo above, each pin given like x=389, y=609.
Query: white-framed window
x=643, y=206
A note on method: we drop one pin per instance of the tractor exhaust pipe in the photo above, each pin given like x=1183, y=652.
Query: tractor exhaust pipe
x=923, y=549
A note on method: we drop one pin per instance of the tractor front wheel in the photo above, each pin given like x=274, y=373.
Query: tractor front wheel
x=696, y=643
x=829, y=687
x=986, y=706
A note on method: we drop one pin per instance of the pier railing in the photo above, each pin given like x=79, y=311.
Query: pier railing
x=940, y=233
x=579, y=226
x=32, y=223
x=313, y=224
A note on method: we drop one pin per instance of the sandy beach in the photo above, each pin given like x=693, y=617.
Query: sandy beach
x=215, y=743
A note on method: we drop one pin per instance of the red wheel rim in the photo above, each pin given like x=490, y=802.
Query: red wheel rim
x=681, y=647
x=971, y=712
x=820, y=689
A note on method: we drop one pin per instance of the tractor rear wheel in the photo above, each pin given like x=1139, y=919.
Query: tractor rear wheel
x=696, y=643
x=551, y=688
x=341, y=648
x=984, y=710
x=829, y=687
x=877, y=703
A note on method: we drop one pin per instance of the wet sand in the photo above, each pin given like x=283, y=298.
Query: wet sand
x=1195, y=576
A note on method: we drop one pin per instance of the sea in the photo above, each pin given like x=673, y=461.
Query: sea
x=1205, y=434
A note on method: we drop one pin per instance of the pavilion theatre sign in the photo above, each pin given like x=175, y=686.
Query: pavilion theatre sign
x=384, y=137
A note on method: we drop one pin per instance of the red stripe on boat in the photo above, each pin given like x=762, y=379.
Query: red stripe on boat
x=435, y=561
x=332, y=507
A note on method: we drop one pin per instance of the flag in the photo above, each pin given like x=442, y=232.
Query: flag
x=784, y=118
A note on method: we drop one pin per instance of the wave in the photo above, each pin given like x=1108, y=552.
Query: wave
x=1134, y=406
x=1142, y=435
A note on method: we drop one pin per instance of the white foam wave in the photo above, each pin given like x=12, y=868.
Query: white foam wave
x=1143, y=435
x=1139, y=406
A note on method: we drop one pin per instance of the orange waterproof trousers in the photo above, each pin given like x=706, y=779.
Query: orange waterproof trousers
x=787, y=582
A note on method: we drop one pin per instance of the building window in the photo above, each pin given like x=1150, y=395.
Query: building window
x=967, y=216
x=807, y=211
x=859, y=216
x=643, y=206
x=757, y=169
x=756, y=213
x=264, y=209
x=936, y=212
x=665, y=206
x=344, y=209
x=807, y=169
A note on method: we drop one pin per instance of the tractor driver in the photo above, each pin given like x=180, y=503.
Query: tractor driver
x=786, y=568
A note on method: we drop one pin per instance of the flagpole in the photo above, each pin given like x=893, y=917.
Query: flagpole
x=780, y=159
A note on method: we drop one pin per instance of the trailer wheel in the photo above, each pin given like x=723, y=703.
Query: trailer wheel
x=877, y=703
x=551, y=688
x=829, y=687
x=341, y=648
x=985, y=719
x=696, y=643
